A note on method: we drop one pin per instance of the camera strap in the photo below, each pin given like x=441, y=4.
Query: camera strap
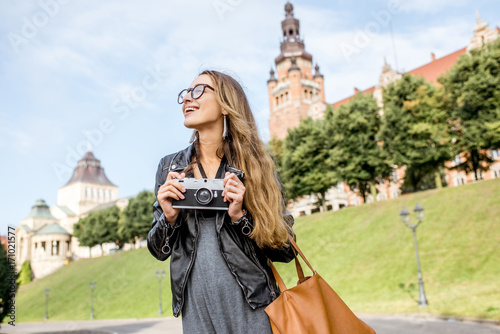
x=200, y=168
x=219, y=171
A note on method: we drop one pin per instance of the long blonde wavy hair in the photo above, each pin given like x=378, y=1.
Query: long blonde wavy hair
x=246, y=151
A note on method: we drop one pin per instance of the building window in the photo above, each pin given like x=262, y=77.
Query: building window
x=394, y=175
x=92, y=192
x=496, y=174
x=86, y=192
x=277, y=101
x=43, y=246
x=110, y=194
x=98, y=193
x=495, y=154
x=55, y=248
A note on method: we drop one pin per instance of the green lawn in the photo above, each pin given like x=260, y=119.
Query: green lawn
x=365, y=253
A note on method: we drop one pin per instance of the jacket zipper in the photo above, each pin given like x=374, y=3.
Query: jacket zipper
x=231, y=270
x=190, y=264
x=273, y=293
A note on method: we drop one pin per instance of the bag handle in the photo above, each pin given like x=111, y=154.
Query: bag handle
x=298, y=267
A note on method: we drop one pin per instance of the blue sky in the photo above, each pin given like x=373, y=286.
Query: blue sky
x=111, y=71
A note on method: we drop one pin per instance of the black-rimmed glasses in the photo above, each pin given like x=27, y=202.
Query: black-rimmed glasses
x=196, y=92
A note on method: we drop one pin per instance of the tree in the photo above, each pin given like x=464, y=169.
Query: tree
x=305, y=165
x=415, y=131
x=136, y=218
x=8, y=286
x=99, y=227
x=472, y=96
x=360, y=159
x=84, y=229
x=106, y=225
x=276, y=149
x=25, y=274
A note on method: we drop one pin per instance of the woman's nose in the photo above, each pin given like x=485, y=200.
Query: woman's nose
x=187, y=97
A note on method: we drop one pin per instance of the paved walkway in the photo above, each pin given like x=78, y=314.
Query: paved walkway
x=383, y=324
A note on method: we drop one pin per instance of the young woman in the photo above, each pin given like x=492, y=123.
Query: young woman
x=220, y=278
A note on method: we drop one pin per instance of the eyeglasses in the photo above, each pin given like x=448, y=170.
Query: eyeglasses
x=196, y=92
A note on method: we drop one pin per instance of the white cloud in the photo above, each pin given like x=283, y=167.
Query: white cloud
x=429, y=6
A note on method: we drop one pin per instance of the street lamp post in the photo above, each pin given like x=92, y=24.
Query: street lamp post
x=92, y=287
x=159, y=277
x=405, y=217
x=47, y=303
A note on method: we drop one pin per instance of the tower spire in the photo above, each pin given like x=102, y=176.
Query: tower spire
x=292, y=43
x=480, y=23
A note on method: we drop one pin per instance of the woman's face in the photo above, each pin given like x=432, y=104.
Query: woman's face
x=205, y=112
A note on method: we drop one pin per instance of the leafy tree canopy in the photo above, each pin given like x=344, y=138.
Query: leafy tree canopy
x=472, y=96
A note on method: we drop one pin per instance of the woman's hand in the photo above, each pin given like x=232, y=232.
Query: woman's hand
x=170, y=190
x=234, y=191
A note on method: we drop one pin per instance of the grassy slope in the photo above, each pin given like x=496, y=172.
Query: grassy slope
x=364, y=252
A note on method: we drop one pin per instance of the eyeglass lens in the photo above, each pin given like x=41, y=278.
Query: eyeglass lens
x=196, y=92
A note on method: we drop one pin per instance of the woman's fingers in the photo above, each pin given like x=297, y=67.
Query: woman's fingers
x=176, y=175
x=234, y=189
x=173, y=193
x=172, y=188
x=234, y=197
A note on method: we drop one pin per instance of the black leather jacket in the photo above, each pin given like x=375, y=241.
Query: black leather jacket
x=246, y=261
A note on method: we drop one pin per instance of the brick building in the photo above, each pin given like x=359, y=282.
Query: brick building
x=296, y=93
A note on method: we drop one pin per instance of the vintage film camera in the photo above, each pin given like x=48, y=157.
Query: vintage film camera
x=202, y=194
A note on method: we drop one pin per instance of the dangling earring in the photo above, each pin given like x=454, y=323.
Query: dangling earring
x=224, y=133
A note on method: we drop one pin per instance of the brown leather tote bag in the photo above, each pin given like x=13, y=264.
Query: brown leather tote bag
x=311, y=307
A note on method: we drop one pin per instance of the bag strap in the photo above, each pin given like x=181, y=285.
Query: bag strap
x=298, y=267
x=294, y=244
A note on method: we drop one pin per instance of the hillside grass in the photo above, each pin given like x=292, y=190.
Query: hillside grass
x=365, y=253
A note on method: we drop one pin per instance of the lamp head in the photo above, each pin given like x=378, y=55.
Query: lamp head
x=405, y=215
x=419, y=211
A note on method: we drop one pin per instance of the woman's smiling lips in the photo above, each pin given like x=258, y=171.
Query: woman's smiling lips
x=189, y=109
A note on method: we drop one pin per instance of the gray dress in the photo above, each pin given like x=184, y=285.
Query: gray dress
x=214, y=301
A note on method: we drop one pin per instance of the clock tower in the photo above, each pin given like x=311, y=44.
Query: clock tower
x=295, y=92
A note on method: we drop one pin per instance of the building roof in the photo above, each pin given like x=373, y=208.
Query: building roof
x=341, y=102
x=41, y=210
x=26, y=228
x=103, y=206
x=431, y=71
x=66, y=210
x=89, y=170
x=52, y=228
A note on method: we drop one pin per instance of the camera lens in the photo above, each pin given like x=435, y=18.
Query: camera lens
x=204, y=196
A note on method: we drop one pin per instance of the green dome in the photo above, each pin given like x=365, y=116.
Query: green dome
x=40, y=210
